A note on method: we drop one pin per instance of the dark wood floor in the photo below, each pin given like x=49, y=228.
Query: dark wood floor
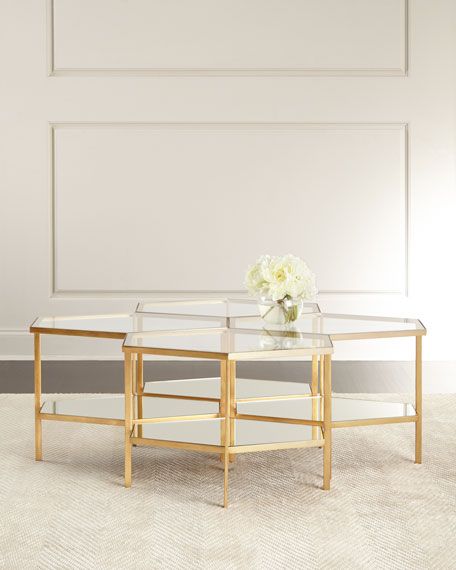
x=107, y=376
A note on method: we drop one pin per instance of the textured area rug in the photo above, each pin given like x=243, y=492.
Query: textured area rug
x=71, y=511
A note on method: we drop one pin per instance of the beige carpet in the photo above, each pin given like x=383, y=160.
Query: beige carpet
x=71, y=511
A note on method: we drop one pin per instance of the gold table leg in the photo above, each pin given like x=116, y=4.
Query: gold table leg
x=226, y=365
x=222, y=404
x=232, y=405
x=128, y=417
x=314, y=391
x=140, y=390
x=134, y=387
x=37, y=378
x=418, y=400
x=322, y=386
x=327, y=422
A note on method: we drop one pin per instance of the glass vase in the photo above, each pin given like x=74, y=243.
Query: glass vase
x=280, y=312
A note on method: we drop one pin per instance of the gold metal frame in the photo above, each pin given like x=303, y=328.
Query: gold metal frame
x=228, y=414
x=320, y=385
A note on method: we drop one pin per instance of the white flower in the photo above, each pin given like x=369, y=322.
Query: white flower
x=281, y=277
x=255, y=279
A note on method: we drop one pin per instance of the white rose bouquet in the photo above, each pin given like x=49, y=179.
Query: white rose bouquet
x=281, y=283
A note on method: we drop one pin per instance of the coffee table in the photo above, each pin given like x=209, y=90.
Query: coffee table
x=243, y=415
x=218, y=431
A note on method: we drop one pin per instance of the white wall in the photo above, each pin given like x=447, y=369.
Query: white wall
x=152, y=147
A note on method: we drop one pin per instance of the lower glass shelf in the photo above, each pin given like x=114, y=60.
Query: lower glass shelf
x=210, y=387
x=208, y=432
x=113, y=407
x=248, y=432
x=348, y=409
x=343, y=408
x=303, y=407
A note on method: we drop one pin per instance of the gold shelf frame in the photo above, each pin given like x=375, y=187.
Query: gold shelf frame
x=228, y=414
x=320, y=384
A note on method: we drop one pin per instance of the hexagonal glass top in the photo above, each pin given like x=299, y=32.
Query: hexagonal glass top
x=233, y=343
x=338, y=326
x=213, y=308
x=241, y=314
x=118, y=325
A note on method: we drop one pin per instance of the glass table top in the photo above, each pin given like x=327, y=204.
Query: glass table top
x=119, y=325
x=214, y=308
x=337, y=326
x=239, y=314
x=234, y=343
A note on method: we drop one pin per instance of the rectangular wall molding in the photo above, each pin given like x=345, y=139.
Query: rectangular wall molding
x=228, y=37
x=107, y=192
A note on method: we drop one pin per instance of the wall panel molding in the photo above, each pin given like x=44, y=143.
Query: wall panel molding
x=57, y=292
x=205, y=70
